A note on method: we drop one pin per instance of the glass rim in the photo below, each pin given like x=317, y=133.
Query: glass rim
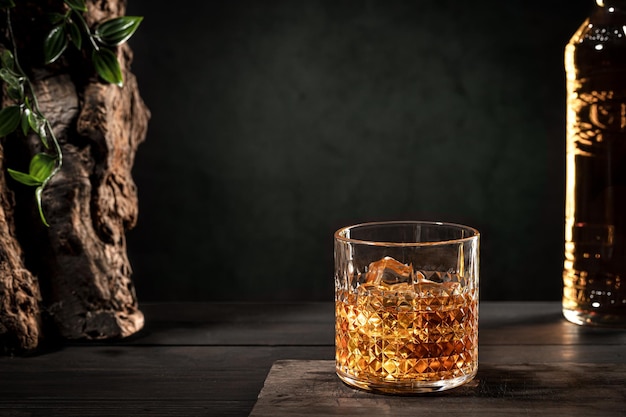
x=474, y=233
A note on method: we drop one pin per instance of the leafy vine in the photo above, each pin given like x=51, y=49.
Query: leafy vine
x=24, y=114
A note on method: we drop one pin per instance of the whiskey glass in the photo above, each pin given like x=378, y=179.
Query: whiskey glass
x=406, y=306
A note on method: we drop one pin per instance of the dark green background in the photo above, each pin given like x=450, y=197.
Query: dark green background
x=276, y=122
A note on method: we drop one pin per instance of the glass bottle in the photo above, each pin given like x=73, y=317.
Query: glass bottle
x=594, y=274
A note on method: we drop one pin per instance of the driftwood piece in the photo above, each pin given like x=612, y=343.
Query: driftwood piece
x=91, y=205
x=20, y=320
x=80, y=260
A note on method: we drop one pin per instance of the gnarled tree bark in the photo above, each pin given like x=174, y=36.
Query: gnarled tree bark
x=20, y=320
x=84, y=286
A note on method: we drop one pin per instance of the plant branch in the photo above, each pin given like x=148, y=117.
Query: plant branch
x=83, y=22
x=47, y=127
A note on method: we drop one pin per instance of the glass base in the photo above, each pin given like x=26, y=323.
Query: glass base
x=592, y=318
x=406, y=388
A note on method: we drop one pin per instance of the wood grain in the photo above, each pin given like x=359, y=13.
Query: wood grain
x=212, y=360
x=311, y=388
x=141, y=380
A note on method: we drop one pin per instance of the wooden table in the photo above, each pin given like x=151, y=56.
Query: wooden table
x=213, y=360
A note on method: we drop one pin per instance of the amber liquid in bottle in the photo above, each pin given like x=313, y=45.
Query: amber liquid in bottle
x=594, y=273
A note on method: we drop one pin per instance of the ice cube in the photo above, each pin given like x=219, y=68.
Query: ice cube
x=428, y=288
x=388, y=271
x=453, y=288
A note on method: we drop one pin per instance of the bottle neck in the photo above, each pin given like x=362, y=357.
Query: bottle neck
x=608, y=4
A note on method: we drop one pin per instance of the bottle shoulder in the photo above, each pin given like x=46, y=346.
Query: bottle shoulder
x=598, y=44
x=595, y=32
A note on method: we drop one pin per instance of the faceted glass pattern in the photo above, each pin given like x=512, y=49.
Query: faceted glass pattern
x=400, y=335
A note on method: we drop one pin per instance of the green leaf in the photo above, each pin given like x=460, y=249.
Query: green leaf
x=16, y=93
x=117, y=31
x=5, y=4
x=8, y=61
x=9, y=119
x=15, y=86
x=33, y=121
x=41, y=166
x=23, y=178
x=107, y=66
x=55, y=44
x=43, y=136
x=38, y=124
x=56, y=18
x=78, y=5
x=25, y=125
x=38, y=193
x=8, y=76
x=75, y=36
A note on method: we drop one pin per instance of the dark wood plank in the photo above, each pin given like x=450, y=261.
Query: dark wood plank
x=100, y=380
x=154, y=407
x=212, y=359
x=310, y=388
x=538, y=323
x=120, y=380
x=304, y=324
